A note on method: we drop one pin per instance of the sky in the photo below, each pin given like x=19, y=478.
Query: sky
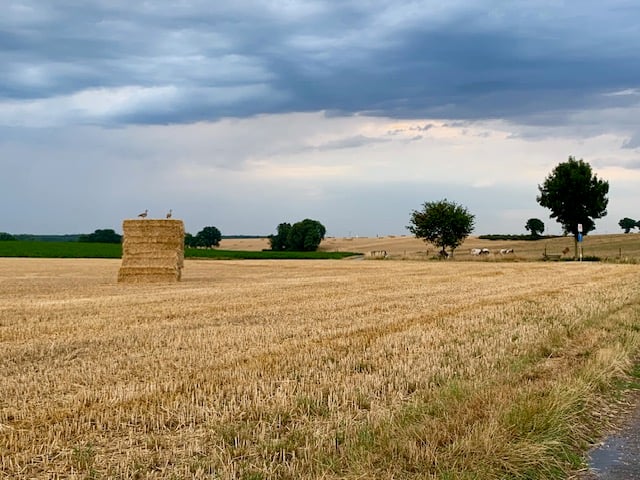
x=247, y=114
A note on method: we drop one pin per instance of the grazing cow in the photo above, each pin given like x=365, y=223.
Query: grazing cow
x=480, y=251
x=505, y=251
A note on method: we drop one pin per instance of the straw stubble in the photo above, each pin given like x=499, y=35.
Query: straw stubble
x=315, y=369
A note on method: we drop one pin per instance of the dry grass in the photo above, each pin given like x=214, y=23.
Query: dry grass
x=314, y=369
x=615, y=247
x=620, y=247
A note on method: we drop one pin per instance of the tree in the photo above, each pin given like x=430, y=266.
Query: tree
x=189, y=240
x=627, y=224
x=575, y=196
x=279, y=240
x=208, y=237
x=535, y=226
x=442, y=223
x=303, y=236
x=106, y=235
x=6, y=236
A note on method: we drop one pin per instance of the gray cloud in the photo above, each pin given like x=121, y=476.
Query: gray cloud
x=404, y=60
x=632, y=142
x=350, y=142
x=108, y=107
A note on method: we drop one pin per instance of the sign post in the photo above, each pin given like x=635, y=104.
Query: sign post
x=580, y=240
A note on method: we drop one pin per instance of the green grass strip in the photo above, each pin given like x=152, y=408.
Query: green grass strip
x=59, y=249
x=35, y=249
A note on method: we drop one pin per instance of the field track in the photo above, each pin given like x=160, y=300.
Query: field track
x=311, y=369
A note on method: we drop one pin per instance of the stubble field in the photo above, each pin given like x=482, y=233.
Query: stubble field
x=311, y=369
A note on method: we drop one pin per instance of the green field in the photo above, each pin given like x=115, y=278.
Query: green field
x=26, y=248
x=112, y=250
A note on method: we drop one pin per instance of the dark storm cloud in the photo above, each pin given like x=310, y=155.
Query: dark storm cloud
x=467, y=60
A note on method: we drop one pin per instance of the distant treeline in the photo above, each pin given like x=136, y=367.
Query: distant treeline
x=499, y=236
x=72, y=237
x=79, y=237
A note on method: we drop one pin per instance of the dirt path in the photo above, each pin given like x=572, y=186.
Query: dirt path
x=618, y=457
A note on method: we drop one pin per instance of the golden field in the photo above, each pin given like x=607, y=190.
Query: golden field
x=613, y=247
x=311, y=369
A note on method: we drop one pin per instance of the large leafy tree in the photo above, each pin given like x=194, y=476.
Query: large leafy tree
x=303, y=236
x=535, y=226
x=575, y=196
x=442, y=223
x=208, y=237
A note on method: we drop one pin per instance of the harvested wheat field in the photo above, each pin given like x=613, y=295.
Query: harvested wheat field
x=311, y=369
x=613, y=247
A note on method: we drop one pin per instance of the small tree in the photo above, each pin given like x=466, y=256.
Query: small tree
x=190, y=240
x=208, y=237
x=575, y=197
x=535, y=226
x=627, y=224
x=442, y=223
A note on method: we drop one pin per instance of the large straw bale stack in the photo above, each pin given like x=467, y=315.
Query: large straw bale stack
x=152, y=251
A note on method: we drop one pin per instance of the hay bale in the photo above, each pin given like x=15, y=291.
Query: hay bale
x=152, y=251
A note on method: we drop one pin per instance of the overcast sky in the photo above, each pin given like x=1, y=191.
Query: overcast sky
x=250, y=113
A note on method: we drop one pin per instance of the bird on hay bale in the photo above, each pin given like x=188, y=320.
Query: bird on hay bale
x=170, y=213
x=144, y=214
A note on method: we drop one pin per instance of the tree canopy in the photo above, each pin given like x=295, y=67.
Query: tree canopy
x=442, y=223
x=627, y=224
x=279, y=241
x=207, y=237
x=575, y=196
x=303, y=236
x=101, y=236
x=535, y=226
